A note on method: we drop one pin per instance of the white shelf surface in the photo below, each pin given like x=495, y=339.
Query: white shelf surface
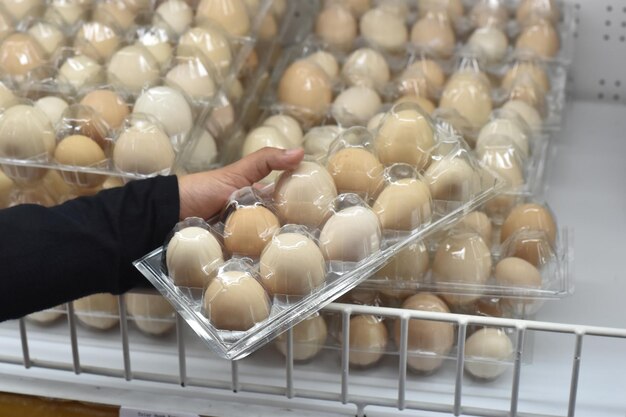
x=587, y=191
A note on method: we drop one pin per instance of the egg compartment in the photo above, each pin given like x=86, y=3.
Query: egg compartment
x=98, y=312
x=309, y=338
x=20, y=55
x=152, y=314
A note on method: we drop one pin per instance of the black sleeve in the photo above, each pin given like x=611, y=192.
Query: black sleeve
x=85, y=246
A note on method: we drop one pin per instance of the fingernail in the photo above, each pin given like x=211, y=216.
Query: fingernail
x=291, y=152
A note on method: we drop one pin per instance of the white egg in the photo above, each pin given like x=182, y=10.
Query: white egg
x=169, y=107
x=355, y=106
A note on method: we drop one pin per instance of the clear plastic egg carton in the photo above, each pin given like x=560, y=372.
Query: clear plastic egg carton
x=169, y=74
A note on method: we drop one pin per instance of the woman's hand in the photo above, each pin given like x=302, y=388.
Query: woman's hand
x=204, y=194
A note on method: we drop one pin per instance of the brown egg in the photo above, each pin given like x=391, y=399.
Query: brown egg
x=517, y=273
x=19, y=54
x=192, y=257
x=409, y=265
x=336, y=26
x=480, y=223
x=453, y=8
x=292, y=264
x=540, y=39
x=360, y=296
x=405, y=135
x=527, y=70
x=99, y=311
x=152, y=314
x=403, y=205
x=470, y=96
x=143, y=149
x=462, y=258
x=487, y=353
x=426, y=105
x=452, y=179
x=351, y=235
x=428, y=341
x=527, y=10
x=488, y=13
x=96, y=40
x=248, y=230
x=434, y=34
x=268, y=29
x=236, y=301
x=309, y=337
x=424, y=77
x=356, y=7
x=231, y=15
x=356, y=170
x=307, y=88
x=529, y=217
x=113, y=11
x=304, y=195
x=368, y=340
x=78, y=150
x=109, y=105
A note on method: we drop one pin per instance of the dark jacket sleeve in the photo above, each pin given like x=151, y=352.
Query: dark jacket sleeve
x=85, y=246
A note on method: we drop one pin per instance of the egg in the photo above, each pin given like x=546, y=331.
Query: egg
x=268, y=28
x=423, y=77
x=97, y=40
x=527, y=10
x=193, y=78
x=480, y=223
x=231, y=15
x=49, y=37
x=44, y=317
x=20, y=54
x=176, y=14
x=410, y=265
x=530, y=217
x=309, y=337
x=7, y=98
x=508, y=131
x=540, y=39
x=466, y=93
x=368, y=340
x=53, y=107
x=305, y=87
x=169, y=107
x=515, y=272
x=263, y=136
x=80, y=71
x=292, y=264
x=204, y=151
x=453, y=8
x=137, y=6
x=360, y=296
x=487, y=13
x=318, y=139
x=81, y=151
x=99, y=311
x=404, y=135
x=355, y=106
x=404, y=204
x=19, y=9
x=490, y=42
x=6, y=187
x=143, y=149
x=337, y=27
x=356, y=170
x=366, y=67
x=434, y=34
x=356, y=7
x=526, y=112
x=66, y=12
x=6, y=25
x=288, y=126
x=114, y=11
x=235, y=301
x=249, y=229
x=279, y=7
x=112, y=182
x=424, y=104
x=152, y=314
x=384, y=29
x=487, y=352
x=212, y=43
x=527, y=91
x=133, y=68
x=193, y=256
x=350, y=235
x=109, y=105
x=428, y=341
x=462, y=258
x=326, y=61
x=452, y=179
x=157, y=42
x=527, y=70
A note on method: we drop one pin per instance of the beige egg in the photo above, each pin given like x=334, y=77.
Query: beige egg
x=288, y=126
x=236, y=301
x=303, y=196
x=204, y=152
x=404, y=205
x=404, y=135
x=356, y=7
x=279, y=8
x=526, y=70
x=112, y=182
x=211, y=43
x=97, y=40
x=158, y=43
x=452, y=179
x=109, y=105
x=292, y=264
x=462, y=258
x=143, y=149
x=99, y=311
x=507, y=132
x=515, y=272
x=81, y=151
x=466, y=93
x=527, y=91
x=326, y=61
x=49, y=37
x=20, y=53
x=44, y=317
x=133, y=68
x=490, y=42
x=487, y=13
x=409, y=265
x=192, y=78
x=25, y=132
x=317, y=140
x=426, y=105
x=351, y=235
x=152, y=314
x=7, y=98
x=541, y=39
x=453, y=8
x=114, y=11
x=384, y=29
x=366, y=67
x=356, y=170
x=488, y=353
x=526, y=112
x=231, y=15
x=193, y=256
x=428, y=341
x=6, y=187
x=309, y=337
x=53, y=107
x=480, y=223
x=168, y=106
x=368, y=340
x=176, y=14
x=19, y=9
x=434, y=34
x=355, y=106
x=67, y=12
x=137, y=6
x=268, y=28
x=80, y=71
x=423, y=77
x=262, y=137
x=527, y=10
x=248, y=230
x=307, y=88
x=336, y=26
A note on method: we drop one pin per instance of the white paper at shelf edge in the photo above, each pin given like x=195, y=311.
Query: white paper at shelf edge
x=135, y=412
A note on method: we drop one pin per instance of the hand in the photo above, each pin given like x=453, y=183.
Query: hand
x=204, y=194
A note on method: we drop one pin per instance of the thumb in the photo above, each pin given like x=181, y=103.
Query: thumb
x=259, y=164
